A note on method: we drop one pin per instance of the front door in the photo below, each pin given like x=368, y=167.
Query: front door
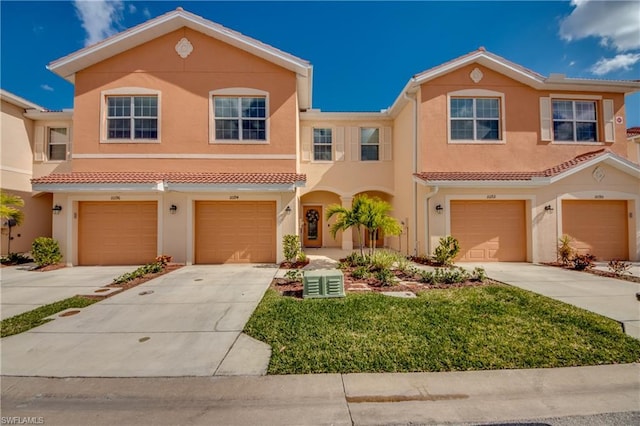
x=312, y=236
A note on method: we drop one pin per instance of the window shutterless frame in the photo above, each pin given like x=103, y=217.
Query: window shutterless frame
x=322, y=144
x=475, y=119
x=131, y=115
x=369, y=144
x=241, y=118
x=57, y=143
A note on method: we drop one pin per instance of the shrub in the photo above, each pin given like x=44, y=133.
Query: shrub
x=15, y=259
x=386, y=277
x=361, y=272
x=446, y=251
x=451, y=276
x=383, y=259
x=355, y=259
x=426, y=277
x=302, y=257
x=46, y=251
x=565, y=250
x=619, y=267
x=478, y=274
x=583, y=261
x=294, y=275
x=164, y=259
x=149, y=268
x=291, y=247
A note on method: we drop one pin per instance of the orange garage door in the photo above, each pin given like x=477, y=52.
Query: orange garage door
x=235, y=232
x=598, y=227
x=117, y=233
x=489, y=230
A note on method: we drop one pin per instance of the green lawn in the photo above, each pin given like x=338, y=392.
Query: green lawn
x=28, y=320
x=492, y=327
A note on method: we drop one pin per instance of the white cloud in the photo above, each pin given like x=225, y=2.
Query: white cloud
x=623, y=61
x=100, y=18
x=46, y=87
x=146, y=13
x=132, y=8
x=616, y=23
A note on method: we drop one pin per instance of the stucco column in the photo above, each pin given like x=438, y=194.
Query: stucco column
x=347, y=235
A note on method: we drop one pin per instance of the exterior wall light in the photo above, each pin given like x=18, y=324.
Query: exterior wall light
x=57, y=209
x=548, y=208
x=287, y=210
x=439, y=208
x=173, y=209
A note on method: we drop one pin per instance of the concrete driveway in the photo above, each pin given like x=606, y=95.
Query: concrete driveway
x=22, y=290
x=185, y=323
x=608, y=297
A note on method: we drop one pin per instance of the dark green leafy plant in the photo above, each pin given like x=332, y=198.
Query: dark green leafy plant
x=149, y=268
x=15, y=259
x=361, y=272
x=46, y=251
x=294, y=275
x=291, y=247
x=446, y=251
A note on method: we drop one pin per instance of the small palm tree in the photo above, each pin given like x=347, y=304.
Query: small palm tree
x=375, y=216
x=10, y=212
x=347, y=218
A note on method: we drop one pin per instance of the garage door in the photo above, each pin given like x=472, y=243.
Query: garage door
x=235, y=232
x=489, y=230
x=117, y=233
x=598, y=227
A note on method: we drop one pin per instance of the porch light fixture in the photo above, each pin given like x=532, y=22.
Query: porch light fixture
x=439, y=208
x=287, y=210
x=548, y=208
x=57, y=209
x=173, y=209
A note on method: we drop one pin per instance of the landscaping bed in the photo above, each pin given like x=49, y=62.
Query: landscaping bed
x=599, y=272
x=469, y=328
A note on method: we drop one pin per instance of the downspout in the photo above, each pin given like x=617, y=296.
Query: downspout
x=414, y=230
x=427, y=240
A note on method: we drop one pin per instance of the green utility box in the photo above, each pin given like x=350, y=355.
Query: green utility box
x=323, y=283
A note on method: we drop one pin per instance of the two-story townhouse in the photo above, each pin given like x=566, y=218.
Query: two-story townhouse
x=35, y=142
x=185, y=143
x=196, y=141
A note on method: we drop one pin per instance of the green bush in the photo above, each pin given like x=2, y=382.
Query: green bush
x=446, y=251
x=427, y=277
x=294, y=275
x=478, y=274
x=291, y=247
x=361, y=272
x=15, y=259
x=355, y=259
x=45, y=251
x=450, y=276
x=383, y=259
x=149, y=268
x=386, y=277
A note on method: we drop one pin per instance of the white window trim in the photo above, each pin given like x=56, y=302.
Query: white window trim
x=128, y=91
x=380, y=130
x=48, y=141
x=478, y=93
x=240, y=92
x=313, y=145
x=578, y=98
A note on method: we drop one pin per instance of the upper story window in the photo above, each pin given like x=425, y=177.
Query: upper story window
x=58, y=140
x=369, y=144
x=132, y=118
x=574, y=121
x=240, y=118
x=322, y=144
x=475, y=119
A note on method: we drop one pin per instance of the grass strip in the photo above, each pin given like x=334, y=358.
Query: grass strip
x=28, y=320
x=480, y=328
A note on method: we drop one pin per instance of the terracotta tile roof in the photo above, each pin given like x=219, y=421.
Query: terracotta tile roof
x=633, y=131
x=510, y=176
x=171, y=177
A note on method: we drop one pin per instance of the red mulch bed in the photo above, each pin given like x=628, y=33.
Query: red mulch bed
x=626, y=277
x=294, y=265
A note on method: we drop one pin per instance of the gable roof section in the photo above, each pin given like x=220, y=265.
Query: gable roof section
x=534, y=178
x=516, y=72
x=67, y=66
x=18, y=101
x=161, y=181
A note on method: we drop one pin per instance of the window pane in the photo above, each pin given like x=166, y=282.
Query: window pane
x=322, y=152
x=254, y=130
x=462, y=129
x=225, y=107
x=585, y=111
x=227, y=129
x=146, y=128
x=369, y=152
x=321, y=136
x=487, y=108
x=253, y=107
x=461, y=108
x=563, y=130
x=145, y=106
x=562, y=110
x=119, y=106
x=58, y=135
x=487, y=130
x=369, y=136
x=586, y=132
x=119, y=128
x=58, y=152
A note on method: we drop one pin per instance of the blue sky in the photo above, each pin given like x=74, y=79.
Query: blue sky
x=363, y=53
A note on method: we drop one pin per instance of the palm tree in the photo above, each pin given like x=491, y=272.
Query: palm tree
x=10, y=212
x=375, y=216
x=347, y=218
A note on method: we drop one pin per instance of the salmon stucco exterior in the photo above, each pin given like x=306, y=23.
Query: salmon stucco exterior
x=193, y=140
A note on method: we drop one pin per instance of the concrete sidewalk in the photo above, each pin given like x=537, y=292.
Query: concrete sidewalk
x=329, y=399
x=608, y=297
x=22, y=290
